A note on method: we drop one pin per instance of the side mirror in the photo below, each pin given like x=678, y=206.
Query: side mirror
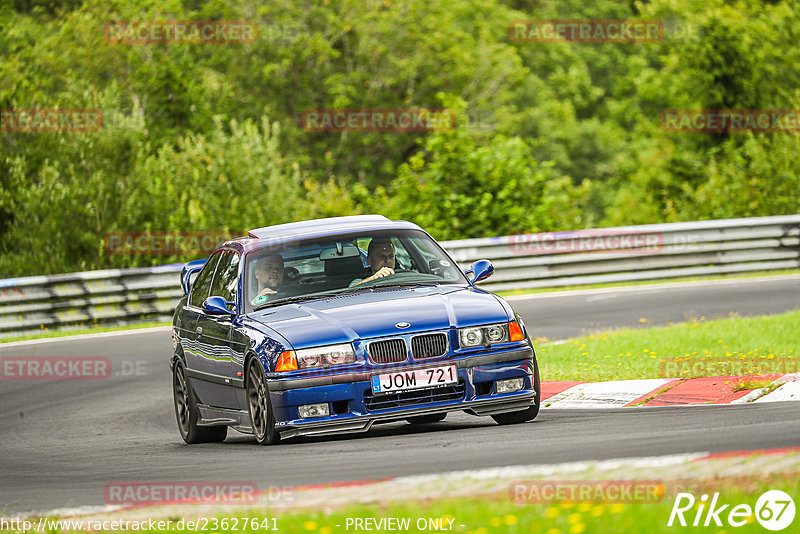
x=480, y=270
x=216, y=306
x=188, y=270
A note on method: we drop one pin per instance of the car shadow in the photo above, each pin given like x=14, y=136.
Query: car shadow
x=396, y=428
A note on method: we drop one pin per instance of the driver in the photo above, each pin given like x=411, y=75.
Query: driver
x=269, y=274
x=380, y=256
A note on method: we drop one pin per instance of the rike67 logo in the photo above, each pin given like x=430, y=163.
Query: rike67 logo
x=774, y=510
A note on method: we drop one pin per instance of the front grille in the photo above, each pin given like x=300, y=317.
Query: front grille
x=429, y=345
x=387, y=351
x=410, y=398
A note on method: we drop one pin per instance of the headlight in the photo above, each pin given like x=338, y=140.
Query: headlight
x=489, y=334
x=325, y=356
x=470, y=337
x=496, y=333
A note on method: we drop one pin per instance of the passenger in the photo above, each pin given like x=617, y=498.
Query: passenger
x=380, y=256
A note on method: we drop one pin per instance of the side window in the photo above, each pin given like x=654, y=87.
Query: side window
x=203, y=282
x=226, y=276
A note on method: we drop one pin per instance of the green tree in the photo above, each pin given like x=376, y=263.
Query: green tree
x=456, y=188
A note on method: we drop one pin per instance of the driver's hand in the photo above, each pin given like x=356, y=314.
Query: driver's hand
x=383, y=271
x=266, y=291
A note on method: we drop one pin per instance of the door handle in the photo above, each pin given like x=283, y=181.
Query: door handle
x=199, y=329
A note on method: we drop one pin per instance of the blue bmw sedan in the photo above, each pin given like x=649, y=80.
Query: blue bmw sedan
x=333, y=325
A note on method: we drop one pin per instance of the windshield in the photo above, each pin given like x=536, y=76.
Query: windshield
x=333, y=265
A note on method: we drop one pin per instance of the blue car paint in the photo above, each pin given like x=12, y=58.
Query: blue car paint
x=367, y=315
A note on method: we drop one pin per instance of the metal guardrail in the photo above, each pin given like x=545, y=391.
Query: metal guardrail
x=649, y=252
x=669, y=250
x=76, y=300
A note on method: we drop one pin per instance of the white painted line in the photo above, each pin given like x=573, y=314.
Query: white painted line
x=750, y=397
x=611, y=394
x=604, y=296
x=518, y=471
x=666, y=286
x=77, y=511
x=78, y=337
x=556, y=342
x=790, y=391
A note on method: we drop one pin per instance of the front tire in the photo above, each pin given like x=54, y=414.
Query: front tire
x=187, y=414
x=261, y=415
x=531, y=412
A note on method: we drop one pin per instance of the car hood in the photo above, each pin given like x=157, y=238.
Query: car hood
x=368, y=315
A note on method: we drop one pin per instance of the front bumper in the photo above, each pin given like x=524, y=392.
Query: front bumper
x=476, y=373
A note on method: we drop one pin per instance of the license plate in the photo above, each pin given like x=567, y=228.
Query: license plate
x=414, y=379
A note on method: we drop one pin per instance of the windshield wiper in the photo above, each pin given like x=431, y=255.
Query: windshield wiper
x=290, y=300
x=356, y=289
x=406, y=284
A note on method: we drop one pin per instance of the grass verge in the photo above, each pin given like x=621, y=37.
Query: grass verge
x=725, y=347
x=498, y=513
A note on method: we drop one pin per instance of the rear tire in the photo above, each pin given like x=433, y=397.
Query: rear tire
x=261, y=415
x=187, y=414
x=529, y=414
x=426, y=419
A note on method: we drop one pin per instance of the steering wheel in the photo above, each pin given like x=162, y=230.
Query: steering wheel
x=292, y=273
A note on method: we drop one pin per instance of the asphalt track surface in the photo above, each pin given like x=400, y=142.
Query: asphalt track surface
x=570, y=313
x=61, y=442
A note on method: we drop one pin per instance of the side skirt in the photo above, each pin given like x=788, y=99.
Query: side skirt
x=212, y=416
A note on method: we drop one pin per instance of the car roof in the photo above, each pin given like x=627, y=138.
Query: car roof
x=269, y=235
